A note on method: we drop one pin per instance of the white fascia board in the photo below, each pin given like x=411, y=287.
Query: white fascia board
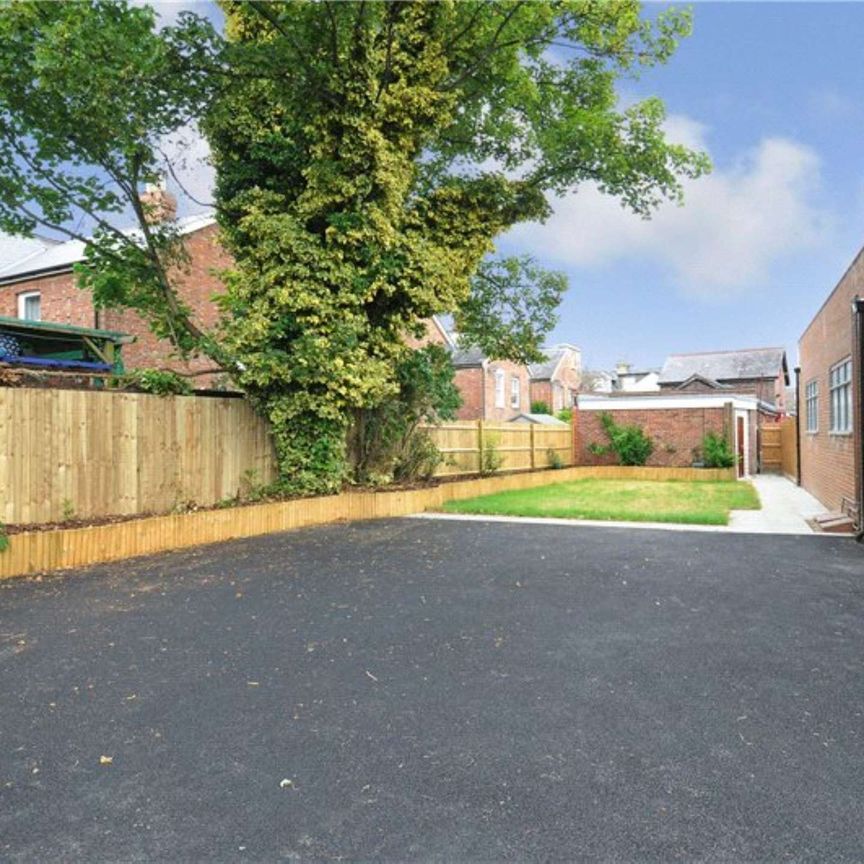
x=657, y=403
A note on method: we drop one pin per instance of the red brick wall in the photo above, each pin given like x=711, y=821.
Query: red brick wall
x=64, y=303
x=474, y=382
x=674, y=431
x=828, y=461
x=61, y=300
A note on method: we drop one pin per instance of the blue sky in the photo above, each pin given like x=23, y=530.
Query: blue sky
x=773, y=92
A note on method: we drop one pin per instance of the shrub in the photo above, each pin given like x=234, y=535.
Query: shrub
x=629, y=443
x=540, y=407
x=159, y=382
x=717, y=451
x=418, y=458
x=553, y=458
x=565, y=414
x=490, y=459
x=4, y=538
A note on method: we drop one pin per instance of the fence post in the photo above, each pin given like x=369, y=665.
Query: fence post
x=533, y=457
x=480, y=446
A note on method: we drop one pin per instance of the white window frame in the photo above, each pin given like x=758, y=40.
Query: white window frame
x=515, y=392
x=23, y=297
x=811, y=406
x=840, y=397
x=500, y=381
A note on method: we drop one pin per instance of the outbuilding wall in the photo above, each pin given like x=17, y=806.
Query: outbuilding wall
x=828, y=458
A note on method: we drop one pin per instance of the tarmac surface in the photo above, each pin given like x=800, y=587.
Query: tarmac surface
x=440, y=691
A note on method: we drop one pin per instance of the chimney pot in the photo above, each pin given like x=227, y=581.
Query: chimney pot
x=159, y=204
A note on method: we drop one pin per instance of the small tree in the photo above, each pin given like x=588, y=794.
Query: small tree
x=629, y=443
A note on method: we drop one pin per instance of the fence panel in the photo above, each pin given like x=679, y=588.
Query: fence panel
x=789, y=447
x=85, y=453
x=520, y=446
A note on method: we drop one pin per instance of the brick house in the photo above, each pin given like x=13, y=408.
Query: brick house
x=760, y=372
x=830, y=397
x=495, y=390
x=42, y=286
x=557, y=380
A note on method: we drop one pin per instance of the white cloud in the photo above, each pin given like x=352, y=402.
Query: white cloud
x=735, y=223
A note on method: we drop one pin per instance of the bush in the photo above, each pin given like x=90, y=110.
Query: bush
x=159, y=382
x=490, y=459
x=554, y=460
x=540, y=408
x=566, y=415
x=629, y=443
x=717, y=452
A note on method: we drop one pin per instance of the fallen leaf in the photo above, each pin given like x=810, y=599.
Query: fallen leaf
x=106, y=760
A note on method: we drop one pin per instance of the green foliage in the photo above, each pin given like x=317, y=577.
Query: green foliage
x=491, y=459
x=68, y=510
x=367, y=154
x=510, y=308
x=565, y=415
x=88, y=94
x=540, y=408
x=385, y=441
x=4, y=538
x=553, y=457
x=717, y=452
x=159, y=382
x=629, y=443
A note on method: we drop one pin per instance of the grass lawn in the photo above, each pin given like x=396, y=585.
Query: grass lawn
x=695, y=503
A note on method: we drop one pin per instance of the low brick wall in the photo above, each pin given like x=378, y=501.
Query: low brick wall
x=61, y=549
x=676, y=433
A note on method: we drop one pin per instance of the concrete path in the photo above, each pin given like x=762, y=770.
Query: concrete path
x=785, y=508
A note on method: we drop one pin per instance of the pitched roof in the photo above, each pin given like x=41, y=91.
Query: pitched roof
x=15, y=249
x=61, y=256
x=541, y=419
x=546, y=369
x=723, y=366
x=468, y=356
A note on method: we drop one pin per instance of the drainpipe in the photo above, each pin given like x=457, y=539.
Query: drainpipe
x=858, y=432
x=798, y=425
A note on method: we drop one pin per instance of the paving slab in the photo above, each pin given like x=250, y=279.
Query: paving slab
x=419, y=691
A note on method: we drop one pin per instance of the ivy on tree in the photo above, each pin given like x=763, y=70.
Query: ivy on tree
x=368, y=155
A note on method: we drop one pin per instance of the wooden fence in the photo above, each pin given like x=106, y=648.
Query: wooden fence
x=789, y=448
x=88, y=454
x=779, y=448
x=519, y=446
x=85, y=453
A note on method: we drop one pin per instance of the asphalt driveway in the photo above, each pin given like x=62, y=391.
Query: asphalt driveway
x=412, y=690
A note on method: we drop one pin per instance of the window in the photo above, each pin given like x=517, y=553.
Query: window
x=30, y=306
x=499, y=388
x=515, y=392
x=840, y=384
x=811, y=393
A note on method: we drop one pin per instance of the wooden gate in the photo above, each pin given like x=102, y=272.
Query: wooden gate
x=778, y=448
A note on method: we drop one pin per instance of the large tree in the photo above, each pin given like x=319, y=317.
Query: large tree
x=367, y=155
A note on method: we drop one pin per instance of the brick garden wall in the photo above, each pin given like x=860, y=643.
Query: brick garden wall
x=674, y=431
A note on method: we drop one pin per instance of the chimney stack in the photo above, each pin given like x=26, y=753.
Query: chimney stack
x=159, y=204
